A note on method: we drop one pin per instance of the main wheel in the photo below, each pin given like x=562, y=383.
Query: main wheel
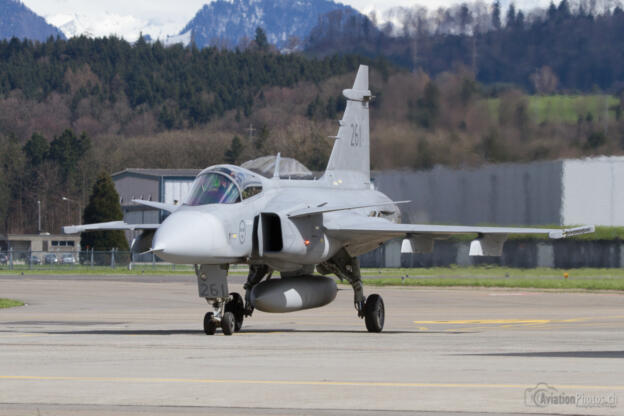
x=237, y=306
x=210, y=327
x=227, y=323
x=374, y=313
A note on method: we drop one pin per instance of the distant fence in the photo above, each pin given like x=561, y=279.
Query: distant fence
x=113, y=259
x=564, y=254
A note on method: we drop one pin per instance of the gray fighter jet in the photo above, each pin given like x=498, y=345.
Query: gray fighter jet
x=234, y=216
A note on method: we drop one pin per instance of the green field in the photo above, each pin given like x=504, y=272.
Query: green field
x=601, y=234
x=478, y=276
x=564, y=108
x=138, y=269
x=504, y=277
x=492, y=272
x=9, y=303
x=95, y=270
x=613, y=284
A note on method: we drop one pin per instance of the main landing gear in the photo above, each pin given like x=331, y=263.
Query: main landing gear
x=257, y=272
x=348, y=268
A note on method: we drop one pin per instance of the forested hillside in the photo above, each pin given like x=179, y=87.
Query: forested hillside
x=567, y=47
x=110, y=83
x=71, y=109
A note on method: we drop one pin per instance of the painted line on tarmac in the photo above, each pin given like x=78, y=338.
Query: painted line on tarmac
x=302, y=382
x=19, y=335
x=487, y=321
x=514, y=321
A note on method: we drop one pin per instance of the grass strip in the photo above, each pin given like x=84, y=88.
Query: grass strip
x=9, y=303
x=493, y=272
x=105, y=270
x=614, y=284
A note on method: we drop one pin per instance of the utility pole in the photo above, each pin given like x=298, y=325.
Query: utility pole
x=38, y=216
x=68, y=200
x=251, y=131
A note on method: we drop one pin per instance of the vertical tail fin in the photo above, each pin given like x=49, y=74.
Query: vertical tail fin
x=349, y=162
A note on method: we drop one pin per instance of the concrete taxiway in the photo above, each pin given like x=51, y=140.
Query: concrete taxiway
x=134, y=345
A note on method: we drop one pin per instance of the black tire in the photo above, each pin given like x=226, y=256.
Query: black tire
x=227, y=323
x=237, y=306
x=374, y=313
x=210, y=327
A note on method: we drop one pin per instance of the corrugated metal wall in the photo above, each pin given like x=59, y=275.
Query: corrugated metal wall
x=506, y=194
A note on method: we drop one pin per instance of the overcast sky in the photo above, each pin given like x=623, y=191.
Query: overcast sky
x=163, y=17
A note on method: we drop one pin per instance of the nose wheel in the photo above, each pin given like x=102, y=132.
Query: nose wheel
x=210, y=324
x=228, y=315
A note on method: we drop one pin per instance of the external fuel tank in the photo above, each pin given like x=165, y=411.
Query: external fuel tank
x=293, y=294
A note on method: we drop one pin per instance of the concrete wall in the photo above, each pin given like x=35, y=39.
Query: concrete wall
x=506, y=194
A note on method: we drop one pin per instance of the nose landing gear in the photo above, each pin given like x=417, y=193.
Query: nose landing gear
x=228, y=309
x=227, y=315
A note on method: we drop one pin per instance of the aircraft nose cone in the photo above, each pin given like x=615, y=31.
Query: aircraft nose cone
x=189, y=237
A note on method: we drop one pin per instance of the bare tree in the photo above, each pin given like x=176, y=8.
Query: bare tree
x=544, y=80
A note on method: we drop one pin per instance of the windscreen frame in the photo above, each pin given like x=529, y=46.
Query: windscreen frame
x=223, y=174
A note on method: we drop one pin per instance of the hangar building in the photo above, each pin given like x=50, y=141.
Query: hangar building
x=159, y=185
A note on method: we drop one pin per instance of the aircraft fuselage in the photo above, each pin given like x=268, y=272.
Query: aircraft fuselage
x=259, y=230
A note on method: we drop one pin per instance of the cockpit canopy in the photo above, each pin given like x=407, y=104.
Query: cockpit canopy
x=224, y=184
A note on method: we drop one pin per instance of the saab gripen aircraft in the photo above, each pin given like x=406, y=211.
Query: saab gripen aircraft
x=294, y=227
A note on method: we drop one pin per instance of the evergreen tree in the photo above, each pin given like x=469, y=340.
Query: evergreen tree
x=11, y=187
x=496, y=15
x=511, y=16
x=67, y=149
x=103, y=206
x=36, y=149
x=233, y=153
x=261, y=40
x=4, y=202
x=425, y=110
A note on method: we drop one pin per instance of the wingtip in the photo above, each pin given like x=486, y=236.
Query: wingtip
x=571, y=232
x=70, y=229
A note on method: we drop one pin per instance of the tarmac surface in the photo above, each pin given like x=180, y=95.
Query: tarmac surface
x=97, y=345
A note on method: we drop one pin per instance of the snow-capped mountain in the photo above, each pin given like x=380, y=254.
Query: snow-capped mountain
x=128, y=27
x=228, y=22
x=17, y=20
